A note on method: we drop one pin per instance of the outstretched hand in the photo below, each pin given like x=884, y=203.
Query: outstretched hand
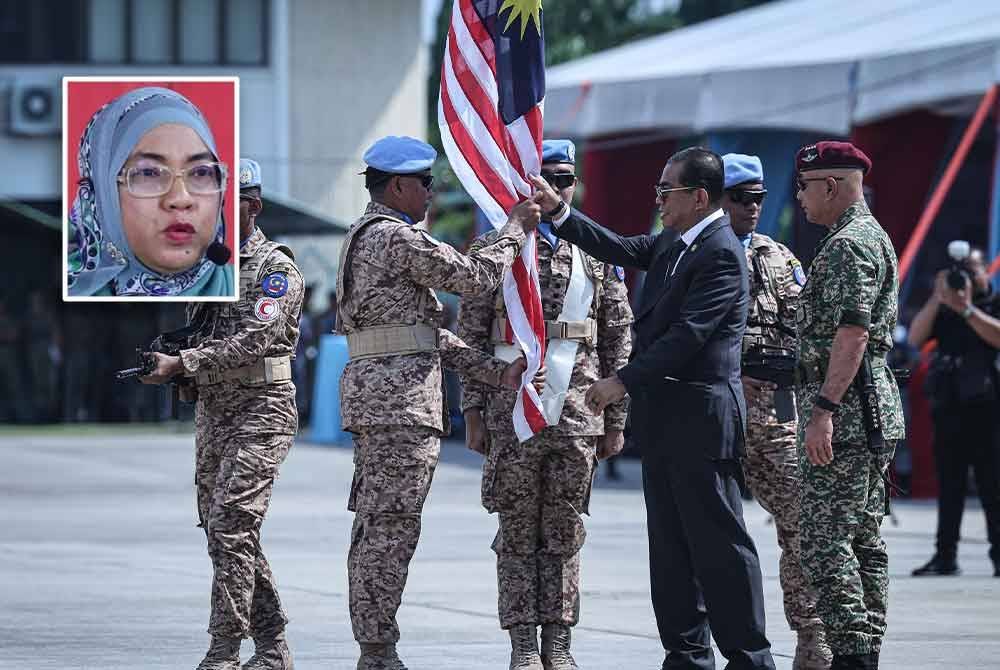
x=526, y=214
x=546, y=195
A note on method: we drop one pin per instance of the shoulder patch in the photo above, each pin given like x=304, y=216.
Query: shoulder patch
x=620, y=272
x=275, y=284
x=798, y=273
x=266, y=309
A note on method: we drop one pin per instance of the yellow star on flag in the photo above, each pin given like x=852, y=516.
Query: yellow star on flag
x=526, y=10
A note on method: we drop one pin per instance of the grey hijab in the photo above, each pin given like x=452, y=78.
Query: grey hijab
x=99, y=254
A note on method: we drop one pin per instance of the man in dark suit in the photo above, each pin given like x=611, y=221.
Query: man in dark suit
x=688, y=412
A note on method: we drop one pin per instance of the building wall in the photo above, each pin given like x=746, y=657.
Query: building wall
x=357, y=71
x=340, y=73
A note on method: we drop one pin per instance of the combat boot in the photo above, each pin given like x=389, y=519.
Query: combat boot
x=223, y=654
x=855, y=661
x=270, y=653
x=524, y=648
x=556, y=638
x=379, y=657
x=812, y=652
x=940, y=565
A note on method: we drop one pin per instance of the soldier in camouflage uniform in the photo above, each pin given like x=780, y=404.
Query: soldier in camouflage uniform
x=847, y=312
x=771, y=464
x=391, y=396
x=540, y=488
x=245, y=423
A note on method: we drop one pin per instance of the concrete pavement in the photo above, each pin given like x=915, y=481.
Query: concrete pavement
x=101, y=566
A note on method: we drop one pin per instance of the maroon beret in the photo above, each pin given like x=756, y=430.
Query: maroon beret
x=830, y=155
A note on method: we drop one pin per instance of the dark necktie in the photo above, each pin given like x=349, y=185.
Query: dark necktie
x=676, y=249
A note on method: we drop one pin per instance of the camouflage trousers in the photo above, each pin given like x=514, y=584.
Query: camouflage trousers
x=539, y=490
x=771, y=467
x=393, y=469
x=234, y=480
x=843, y=553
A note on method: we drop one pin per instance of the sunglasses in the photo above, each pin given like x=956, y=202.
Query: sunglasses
x=747, y=198
x=427, y=180
x=663, y=189
x=559, y=180
x=803, y=184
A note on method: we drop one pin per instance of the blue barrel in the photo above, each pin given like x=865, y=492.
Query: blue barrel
x=330, y=366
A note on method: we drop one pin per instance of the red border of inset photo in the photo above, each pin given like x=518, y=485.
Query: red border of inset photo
x=218, y=100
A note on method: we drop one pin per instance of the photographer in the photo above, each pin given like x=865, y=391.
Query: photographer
x=964, y=391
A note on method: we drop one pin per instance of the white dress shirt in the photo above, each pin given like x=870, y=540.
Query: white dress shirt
x=692, y=233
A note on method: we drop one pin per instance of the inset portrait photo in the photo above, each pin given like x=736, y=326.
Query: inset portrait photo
x=150, y=202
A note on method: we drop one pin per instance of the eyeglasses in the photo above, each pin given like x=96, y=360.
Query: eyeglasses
x=427, y=180
x=803, y=184
x=153, y=181
x=559, y=180
x=663, y=189
x=746, y=198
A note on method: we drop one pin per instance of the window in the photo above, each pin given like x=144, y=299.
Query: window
x=146, y=32
x=200, y=31
x=30, y=34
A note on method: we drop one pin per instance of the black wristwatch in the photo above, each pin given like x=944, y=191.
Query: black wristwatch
x=556, y=212
x=827, y=404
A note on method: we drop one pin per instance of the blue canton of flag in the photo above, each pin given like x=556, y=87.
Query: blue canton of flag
x=515, y=26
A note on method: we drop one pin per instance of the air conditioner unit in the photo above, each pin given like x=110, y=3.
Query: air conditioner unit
x=34, y=108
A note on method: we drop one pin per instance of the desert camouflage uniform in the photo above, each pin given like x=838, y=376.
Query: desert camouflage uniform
x=771, y=464
x=394, y=403
x=540, y=488
x=243, y=432
x=852, y=281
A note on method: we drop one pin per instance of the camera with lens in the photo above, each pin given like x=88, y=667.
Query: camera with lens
x=958, y=274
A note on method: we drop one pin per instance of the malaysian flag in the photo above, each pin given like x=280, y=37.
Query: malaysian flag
x=490, y=114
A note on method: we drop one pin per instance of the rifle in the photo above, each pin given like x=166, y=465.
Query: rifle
x=170, y=344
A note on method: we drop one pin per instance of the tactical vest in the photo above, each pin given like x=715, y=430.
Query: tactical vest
x=584, y=331
x=772, y=285
x=269, y=369
x=385, y=340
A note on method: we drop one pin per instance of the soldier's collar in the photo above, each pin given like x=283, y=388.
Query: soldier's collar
x=385, y=210
x=853, y=211
x=250, y=245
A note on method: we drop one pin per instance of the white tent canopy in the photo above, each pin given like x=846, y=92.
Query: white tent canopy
x=819, y=65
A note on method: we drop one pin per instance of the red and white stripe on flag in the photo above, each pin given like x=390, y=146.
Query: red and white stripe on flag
x=492, y=160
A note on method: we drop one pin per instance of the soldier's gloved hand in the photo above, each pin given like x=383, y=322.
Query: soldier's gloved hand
x=544, y=193
x=610, y=444
x=167, y=367
x=475, y=430
x=819, y=437
x=753, y=389
x=526, y=214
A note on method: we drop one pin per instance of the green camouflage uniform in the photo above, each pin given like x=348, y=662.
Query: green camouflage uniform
x=852, y=282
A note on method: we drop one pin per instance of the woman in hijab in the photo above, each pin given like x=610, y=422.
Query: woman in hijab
x=148, y=215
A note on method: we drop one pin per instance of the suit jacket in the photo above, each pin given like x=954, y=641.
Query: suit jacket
x=684, y=376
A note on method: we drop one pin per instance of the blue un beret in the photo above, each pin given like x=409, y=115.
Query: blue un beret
x=249, y=173
x=400, y=155
x=741, y=168
x=558, y=151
